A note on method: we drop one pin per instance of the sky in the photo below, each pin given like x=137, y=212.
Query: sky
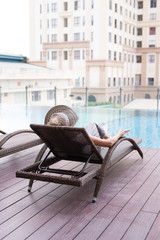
x=14, y=27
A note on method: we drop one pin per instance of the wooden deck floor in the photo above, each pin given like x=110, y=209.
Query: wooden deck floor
x=128, y=205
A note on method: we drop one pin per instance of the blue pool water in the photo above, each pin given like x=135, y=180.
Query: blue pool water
x=142, y=124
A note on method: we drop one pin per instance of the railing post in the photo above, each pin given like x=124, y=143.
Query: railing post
x=26, y=95
x=157, y=99
x=55, y=95
x=120, y=99
x=86, y=104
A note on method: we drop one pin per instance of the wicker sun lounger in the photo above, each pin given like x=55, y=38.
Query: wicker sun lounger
x=17, y=141
x=74, y=145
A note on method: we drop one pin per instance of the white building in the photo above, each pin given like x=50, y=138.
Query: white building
x=23, y=83
x=112, y=46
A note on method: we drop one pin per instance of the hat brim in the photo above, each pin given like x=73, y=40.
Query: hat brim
x=72, y=116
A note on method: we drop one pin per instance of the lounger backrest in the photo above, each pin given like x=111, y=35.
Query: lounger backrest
x=68, y=142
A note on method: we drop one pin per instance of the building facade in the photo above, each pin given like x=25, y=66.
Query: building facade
x=111, y=46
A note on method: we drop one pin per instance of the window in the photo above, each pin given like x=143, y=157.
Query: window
x=83, y=54
x=54, y=55
x=40, y=24
x=139, y=31
x=110, y=21
x=115, y=38
x=150, y=81
x=121, y=11
x=114, y=82
x=47, y=23
x=115, y=56
x=36, y=96
x=120, y=25
x=126, y=27
x=109, y=82
x=65, y=55
x=140, y=5
x=110, y=37
x=91, y=53
x=48, y=7
x=65, y=37
x=54, y=23
x=54, y=37
x=138, y=79
x=50, y=94
x=48, y=55
x=83, y=36
x=152, y=16
x=153, y=3
x=77, y=21
x=92, y=4
x=91, y=36
x=124, y=83
x=54, y=7
x=115, y=7
x=120, y=40
x=75, y=5
x=139, y=17
x=48, y=38
x=120, y=56
x=151, y=58
x=76, y=54
x=152, y=43
x=76, y=36
x=92, y=20
x=83, y=20
x=115, y=23
x=65, y=22
x=83, y=4
x=65, y=6
x=139, y=44
x=40, y=8
x=129, y=57
x=77, y=82
x=110, y=4
x=152, y=30
x=119, y=81
x=109, y=55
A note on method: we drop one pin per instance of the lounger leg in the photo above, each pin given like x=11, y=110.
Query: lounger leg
x=38, y=158
x=97, y=188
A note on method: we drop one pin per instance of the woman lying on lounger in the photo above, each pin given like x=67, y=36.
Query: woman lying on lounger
x=62, y=115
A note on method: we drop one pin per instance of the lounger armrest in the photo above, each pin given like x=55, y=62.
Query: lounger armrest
x=135, y=145
x=2, y=132
x=111, y=150
x=10, y=135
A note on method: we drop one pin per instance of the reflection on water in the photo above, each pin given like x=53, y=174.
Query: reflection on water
x=143, y=124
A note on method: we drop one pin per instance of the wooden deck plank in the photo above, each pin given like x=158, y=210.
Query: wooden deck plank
x=153, y=203
x=154, y=233
x=140, y=226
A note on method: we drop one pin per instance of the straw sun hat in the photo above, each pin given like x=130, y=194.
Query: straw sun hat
x=61, y=115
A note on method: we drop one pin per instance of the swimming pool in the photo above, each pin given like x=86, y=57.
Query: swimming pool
x=143, y=124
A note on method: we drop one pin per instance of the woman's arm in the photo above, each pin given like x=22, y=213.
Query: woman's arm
x=109, y=141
